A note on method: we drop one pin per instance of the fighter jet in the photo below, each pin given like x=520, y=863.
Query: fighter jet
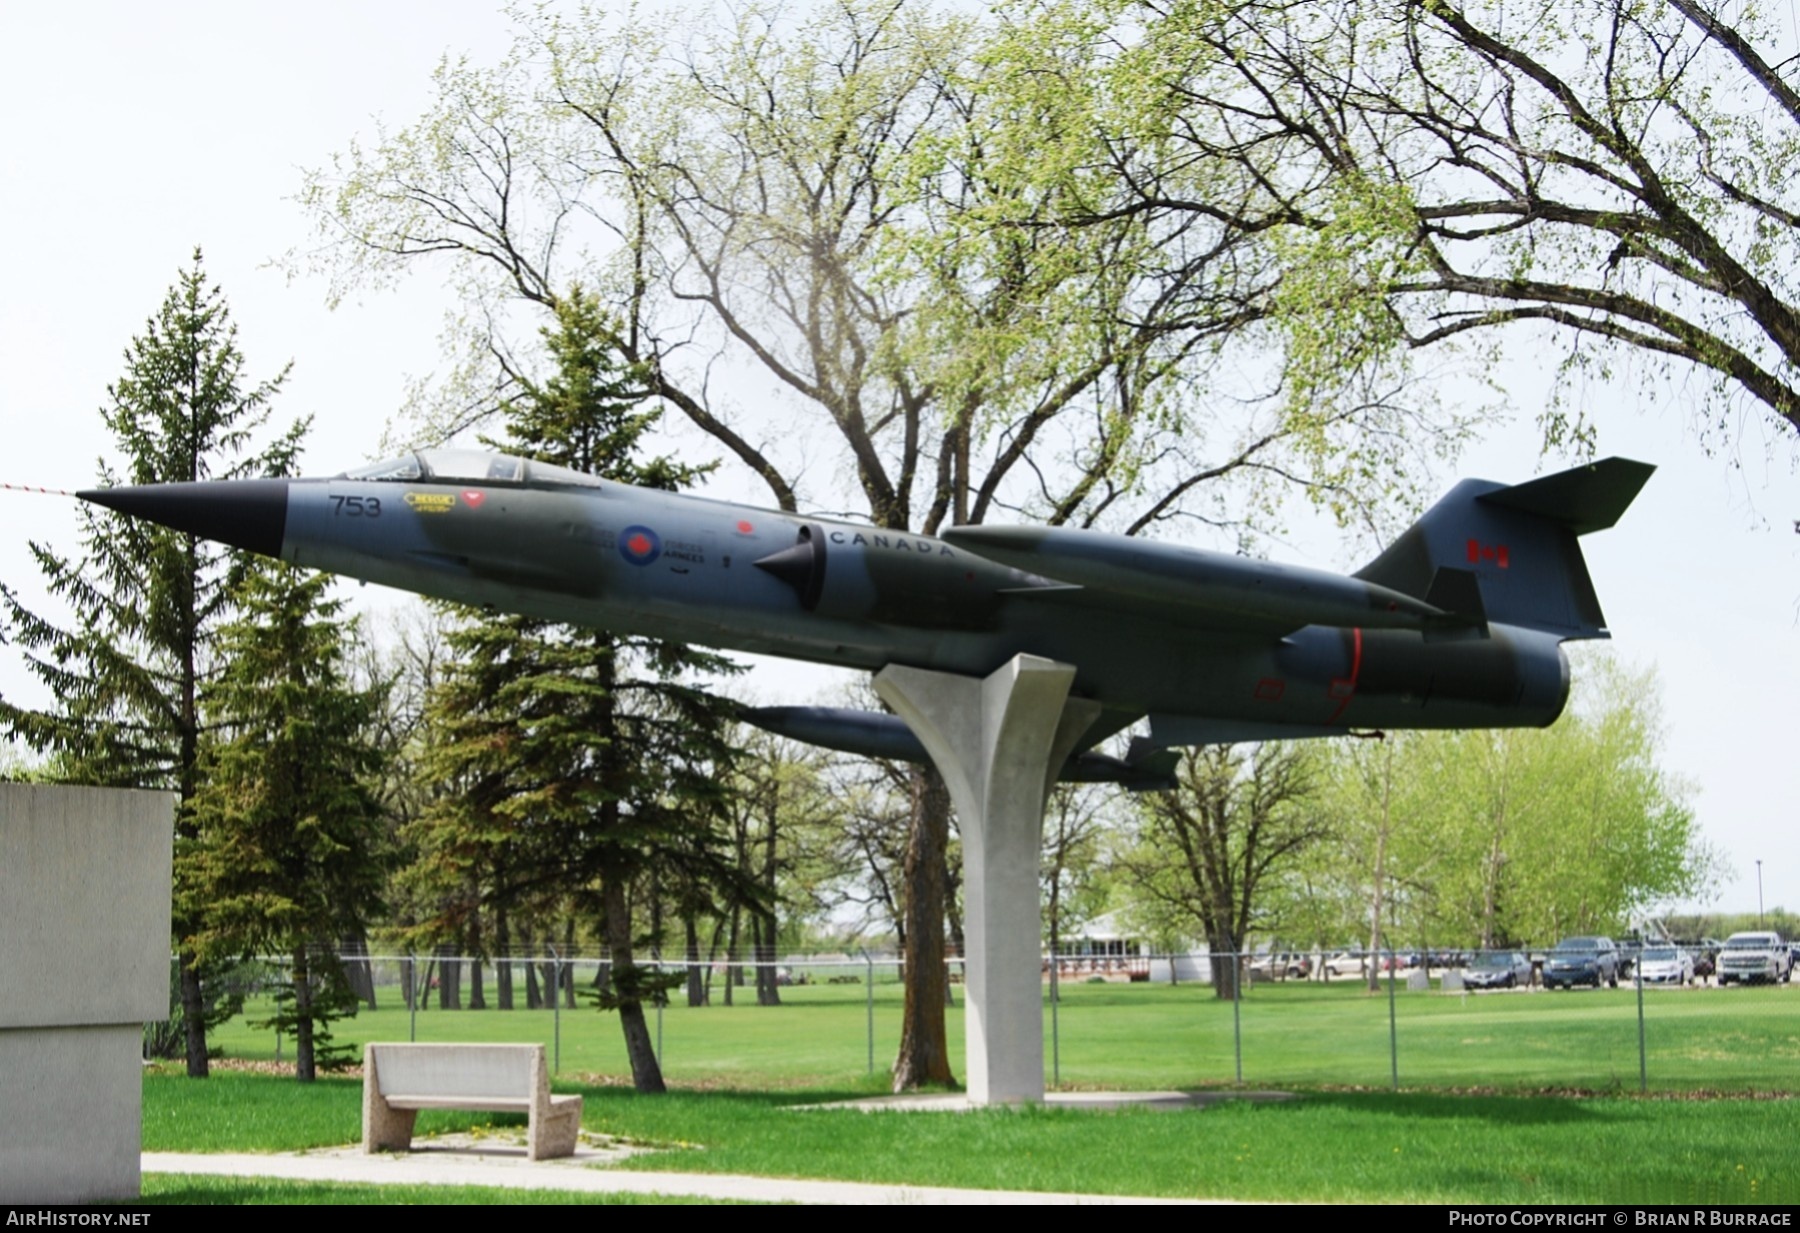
x=1458, y=624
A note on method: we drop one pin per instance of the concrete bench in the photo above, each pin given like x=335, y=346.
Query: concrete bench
x=401, y=1079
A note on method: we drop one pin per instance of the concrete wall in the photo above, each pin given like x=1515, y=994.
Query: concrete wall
x=84, y=963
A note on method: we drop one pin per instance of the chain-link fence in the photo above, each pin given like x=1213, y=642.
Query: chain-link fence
x=1400, y=1019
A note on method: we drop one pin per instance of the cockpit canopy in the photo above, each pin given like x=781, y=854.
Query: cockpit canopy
x=470, y=467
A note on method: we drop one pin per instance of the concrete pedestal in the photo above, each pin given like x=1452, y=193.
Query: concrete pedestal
x=84, y=964
x=999, y=744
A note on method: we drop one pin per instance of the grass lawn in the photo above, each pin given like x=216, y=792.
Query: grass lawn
x=1158, y=1036
x=742, y=1068
x=198, y=1189
x=1345, y=1146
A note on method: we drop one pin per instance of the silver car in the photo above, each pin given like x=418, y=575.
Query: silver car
x=1665, y=965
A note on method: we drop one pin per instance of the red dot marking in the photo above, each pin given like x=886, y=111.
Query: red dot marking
x=744, y=528
x=638, y=544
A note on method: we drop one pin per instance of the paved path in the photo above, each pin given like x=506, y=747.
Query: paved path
x=507, y=1167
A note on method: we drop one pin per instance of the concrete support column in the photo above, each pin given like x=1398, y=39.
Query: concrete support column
x=999, y=744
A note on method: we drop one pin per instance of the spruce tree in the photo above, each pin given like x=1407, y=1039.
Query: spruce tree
x=599, y=758
x=287, y=855
x=130, y=672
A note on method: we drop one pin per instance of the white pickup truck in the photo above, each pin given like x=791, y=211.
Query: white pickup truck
x=1755, y=956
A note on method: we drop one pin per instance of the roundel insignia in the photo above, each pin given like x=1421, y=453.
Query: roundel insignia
x=639, y=545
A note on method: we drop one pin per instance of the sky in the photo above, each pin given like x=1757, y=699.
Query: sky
x=138, y=132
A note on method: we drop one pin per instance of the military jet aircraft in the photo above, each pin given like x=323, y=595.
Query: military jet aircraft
x=1458, y=624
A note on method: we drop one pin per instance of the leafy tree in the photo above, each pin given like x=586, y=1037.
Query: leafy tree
x=288, y=851
x=866, y=202
x=1378, y=801
x=1076, y=822
x=1619, y=171
x=130, y=674
x=1514, y=836
x=1208, y=851
x=777, y=810
x=1571, y=829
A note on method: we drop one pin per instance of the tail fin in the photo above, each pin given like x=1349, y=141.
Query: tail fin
x=1489, y=552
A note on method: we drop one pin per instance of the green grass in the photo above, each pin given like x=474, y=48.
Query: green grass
x=1143, y=1036
x=1339, y=1146
x=1472, y=1124
x=198, y=1189
x=234, y=1112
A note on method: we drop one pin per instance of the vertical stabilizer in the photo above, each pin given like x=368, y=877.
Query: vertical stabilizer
x=1512, y=554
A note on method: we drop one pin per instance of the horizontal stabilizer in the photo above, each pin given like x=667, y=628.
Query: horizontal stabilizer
x=1586, y=499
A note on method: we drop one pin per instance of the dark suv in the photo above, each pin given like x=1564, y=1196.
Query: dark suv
x=1582, y=961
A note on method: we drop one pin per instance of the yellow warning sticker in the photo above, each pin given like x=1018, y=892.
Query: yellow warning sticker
x=431, y=502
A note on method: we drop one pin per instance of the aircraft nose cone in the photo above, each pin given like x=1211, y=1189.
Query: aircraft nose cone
x=249, y=514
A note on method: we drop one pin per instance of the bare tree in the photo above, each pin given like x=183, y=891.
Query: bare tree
x=1208, y=850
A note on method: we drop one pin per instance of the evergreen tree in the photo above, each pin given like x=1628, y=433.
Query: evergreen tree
x=287, y=856
x=130, y=673
x=596, y=761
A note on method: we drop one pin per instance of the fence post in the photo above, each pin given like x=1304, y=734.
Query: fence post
x=412, y=998
x=556, y=993
x=1237, y=1019
x=1055, y=1024
x=869, y=980
x=1393, y=1033
x=277, y=1032
x=1637, y=971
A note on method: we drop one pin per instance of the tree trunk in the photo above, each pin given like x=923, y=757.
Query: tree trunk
x=193, y=1016
x=567, y=979
x=646, y=1073
x=712, y=958
x=449, y=979
x=503, y=968
x=924, y=1052
x=1226, y=965
x=534, y=998
x=696, y=977
x=357, y=971
x=304, y=1069
x=768, y=980
x=734, y=974
x=477, y=993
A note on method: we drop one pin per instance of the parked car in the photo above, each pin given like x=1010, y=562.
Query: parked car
x=1629, y=950
x=1343, y=963
x=1582, y=961
x=1288, y=965
x=1758, y=955
x=1666, y=965
x=1496, y=969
